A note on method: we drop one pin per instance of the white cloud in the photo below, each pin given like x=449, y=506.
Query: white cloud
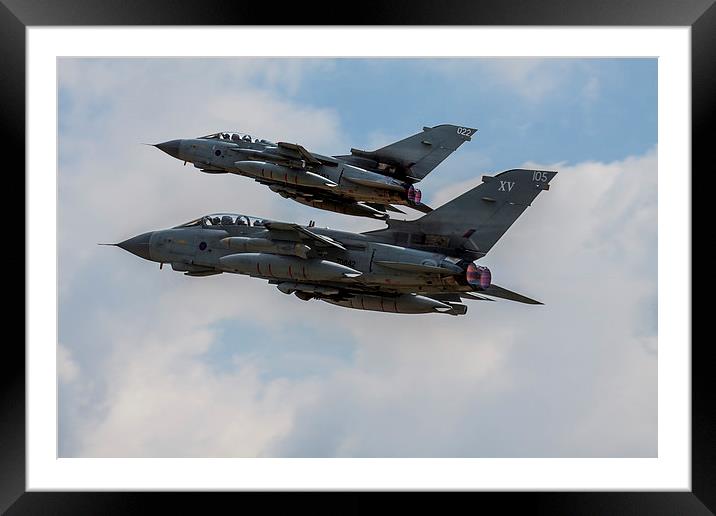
x=572, y=378
x=111, y=187
x=164, y=400
x=66, y=367
x=576, y=377
x=532, y=80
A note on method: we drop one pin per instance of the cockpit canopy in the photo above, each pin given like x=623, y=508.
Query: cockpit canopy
x=233, y=136
x=224, y=219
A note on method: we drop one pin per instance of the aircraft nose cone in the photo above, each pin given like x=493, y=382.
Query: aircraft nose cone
x=171, y=147
x=138, y=245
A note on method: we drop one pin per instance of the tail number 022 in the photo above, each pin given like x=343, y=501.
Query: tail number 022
x=539, y=176
x=463, y=131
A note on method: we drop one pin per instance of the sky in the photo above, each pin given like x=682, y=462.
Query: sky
x=152, y=363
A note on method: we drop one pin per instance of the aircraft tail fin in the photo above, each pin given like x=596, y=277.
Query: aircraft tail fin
x=479, y=217
x=474, y=221
x=417, y=155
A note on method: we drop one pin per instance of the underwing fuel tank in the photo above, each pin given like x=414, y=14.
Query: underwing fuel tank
x=264, y=245
x=281, y=174
x=402, y=304
x=347, y=208
x=288, y=267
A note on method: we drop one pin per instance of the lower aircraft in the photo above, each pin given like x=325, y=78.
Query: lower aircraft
x=426, y=265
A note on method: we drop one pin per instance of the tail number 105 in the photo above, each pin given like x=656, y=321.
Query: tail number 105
x=539, y=176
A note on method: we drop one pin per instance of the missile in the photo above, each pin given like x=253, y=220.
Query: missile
x=286, y=267
x=315, y=201
x=279, y=173
x=264, y=245
x=384, y=183
x=402, y=304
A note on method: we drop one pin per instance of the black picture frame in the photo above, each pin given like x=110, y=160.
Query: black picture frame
x=16, y=15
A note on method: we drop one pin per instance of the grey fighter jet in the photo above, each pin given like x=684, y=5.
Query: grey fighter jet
x=420, y=266
x=363, y=183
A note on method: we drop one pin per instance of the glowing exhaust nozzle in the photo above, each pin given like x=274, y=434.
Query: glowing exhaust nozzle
x=414, y=195
x=478, y=276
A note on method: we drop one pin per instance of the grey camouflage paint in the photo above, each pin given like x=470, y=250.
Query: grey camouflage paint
x=420, y=266
x=363, y=183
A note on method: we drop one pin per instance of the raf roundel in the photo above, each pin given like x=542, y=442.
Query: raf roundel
x=202, y=246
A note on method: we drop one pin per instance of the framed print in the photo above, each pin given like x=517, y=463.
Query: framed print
x=135, y=378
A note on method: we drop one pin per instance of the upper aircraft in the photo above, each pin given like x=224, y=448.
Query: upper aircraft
x=363, y=183
x=419, y=266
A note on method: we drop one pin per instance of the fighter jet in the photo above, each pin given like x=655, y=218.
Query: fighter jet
x=425, y=265
x=363, y=183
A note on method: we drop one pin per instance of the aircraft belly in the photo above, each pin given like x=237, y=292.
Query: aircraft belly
x=392, y=280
